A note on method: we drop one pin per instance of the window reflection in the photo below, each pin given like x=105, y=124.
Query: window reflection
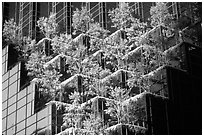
x=3, y=124
x=146, y=9
x=41, y=131
x=4, y=94
x=43, y=113
x=49, y=130
x=11, y=131
x=30, y=97
x=11, y=100
x=6, y=56
x=11, y=120
x=49, y=119
x=4, y=113
x=14, y=70
x=4, y=51
x=12, y=108
x=3, y=68
x=29, y=109
x=5, y=84
x=31, y=129
x=5, y=77
x=21, y=114
x=21, y=132
x=3, y=58
x=31, y=120
x=22, y=93
x=21, y=102
x=42, y=123
x=4, y=105
x=13, y=78
x=30, y=88
x=20, y=126
x=12, y=89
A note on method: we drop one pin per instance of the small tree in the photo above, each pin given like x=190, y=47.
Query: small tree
x=12, y=37
x=10, y=31
x=93, y=125
x=160, y=15
x=48, y=82
x=48, y=26
x=74, y=113
x=81, y=19
x=115, y=104
x=121, y=17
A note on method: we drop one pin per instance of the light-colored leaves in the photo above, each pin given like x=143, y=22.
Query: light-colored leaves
x=48, y=26
x=81, y=18
x=115, y=105
x=160, y=14
x=121, y=17
x=10, y=31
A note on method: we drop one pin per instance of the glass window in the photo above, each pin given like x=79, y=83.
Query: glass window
x=12, y=89
x=4, y=105
x=11, y=131
x=4, y=133
x=19, y=74
x=93, y=4
x=22, y=132
x=41, y=131
x=6, y=66
x=18, y=88
x=50, y=109
x=4, y=113
x=4, y=94
x=13, y=78
x=21, y=94
x=29, y=109
x=12, y=108
x=31, y=129
x=31, y=120
x=5, y=77
x=21, y=113
x=5, y=84
x=3, y=124
x=30, y=97
x=3, y=59
x=6, y=57
x=11, y=100
x=14, y=70
x=146, y=10
x=3, y=68
x=21, y=103
x=30, y=88
x=3, y=51
x=33, y=103
x=20, y=126
x=49, y=130
x=43, y=113
x=11, y=120
x=42, y=123
x=19, y=66
x=49, y=119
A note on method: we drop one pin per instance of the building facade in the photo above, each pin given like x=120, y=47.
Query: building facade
x=167, y=107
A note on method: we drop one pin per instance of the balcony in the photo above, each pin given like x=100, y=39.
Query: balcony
x=185, y=56
x=155, y=82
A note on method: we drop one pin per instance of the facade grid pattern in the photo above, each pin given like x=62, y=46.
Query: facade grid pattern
x=19, y=115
